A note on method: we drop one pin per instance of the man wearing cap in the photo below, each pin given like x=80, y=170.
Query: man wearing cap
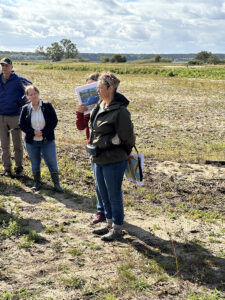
x=11, y=100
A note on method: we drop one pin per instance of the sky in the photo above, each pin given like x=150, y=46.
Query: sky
x=114, y=26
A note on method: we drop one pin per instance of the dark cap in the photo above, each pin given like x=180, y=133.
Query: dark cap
x=6, y=60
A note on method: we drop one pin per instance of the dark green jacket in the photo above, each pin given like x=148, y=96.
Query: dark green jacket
x=115, y=119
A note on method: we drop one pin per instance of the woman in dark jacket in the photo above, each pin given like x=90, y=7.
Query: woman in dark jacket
x=38, y=120
x=112, y=139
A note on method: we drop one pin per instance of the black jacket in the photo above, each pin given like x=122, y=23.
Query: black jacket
x=115, y=119
x=50, y=122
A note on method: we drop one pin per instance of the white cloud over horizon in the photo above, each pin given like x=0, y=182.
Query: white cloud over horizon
x=114, y=26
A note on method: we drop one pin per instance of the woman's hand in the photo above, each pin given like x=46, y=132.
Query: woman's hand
x=82, y=108
x=116, y=140
x=37, y=133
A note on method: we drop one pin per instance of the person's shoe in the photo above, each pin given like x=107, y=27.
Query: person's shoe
x=113, y=235
x=18, y=172
x=101, y=231
x=7, y=173
x=100, y=217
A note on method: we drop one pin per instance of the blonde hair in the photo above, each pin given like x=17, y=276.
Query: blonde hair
x=31, y=87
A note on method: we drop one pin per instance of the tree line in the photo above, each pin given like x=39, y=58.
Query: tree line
x=65, y=49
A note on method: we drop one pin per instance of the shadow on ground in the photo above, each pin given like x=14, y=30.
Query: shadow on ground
x=14, y=225
x=11, y=187
x=189, y=261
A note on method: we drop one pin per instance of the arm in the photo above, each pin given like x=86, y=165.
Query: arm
x=50, y=118
x=23, y=82
x=23, y=122
x=125, y=129
x=122, y=134
x=82, y=120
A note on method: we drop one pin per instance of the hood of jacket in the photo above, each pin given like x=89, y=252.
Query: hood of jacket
x=119, y=100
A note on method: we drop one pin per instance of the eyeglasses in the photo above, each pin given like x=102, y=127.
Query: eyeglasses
x=100, y=88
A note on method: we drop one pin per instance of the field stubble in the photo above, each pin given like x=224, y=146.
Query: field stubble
x=173, y=245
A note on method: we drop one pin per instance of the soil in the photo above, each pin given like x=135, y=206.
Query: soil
x=179, y=244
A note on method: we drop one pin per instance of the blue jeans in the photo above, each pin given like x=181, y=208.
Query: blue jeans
x=109, y=180
x=100, y=206
x=45, y=148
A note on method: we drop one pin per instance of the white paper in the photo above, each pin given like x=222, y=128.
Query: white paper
x=87, y=94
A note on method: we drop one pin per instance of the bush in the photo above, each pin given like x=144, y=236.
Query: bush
x=157, y=58
x=203, y=56
x=213, y=59
x=195, y=62
x=104, y=59
x=118, y=58
x=171, y=74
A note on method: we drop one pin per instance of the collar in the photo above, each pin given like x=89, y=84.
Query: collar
x=31, y=106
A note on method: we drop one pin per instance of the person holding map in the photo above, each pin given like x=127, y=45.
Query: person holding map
x=82, y=124
x=111, y=141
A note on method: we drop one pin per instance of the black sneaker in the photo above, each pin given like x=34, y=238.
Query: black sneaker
x=18, y=172
x=7, y=173
x=113, y=235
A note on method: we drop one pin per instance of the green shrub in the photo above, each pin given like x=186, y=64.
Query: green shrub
x=194, y=62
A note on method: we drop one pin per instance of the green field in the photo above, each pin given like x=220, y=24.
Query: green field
x=139, y=67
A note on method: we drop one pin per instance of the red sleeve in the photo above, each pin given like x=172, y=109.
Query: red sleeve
x=82, y=120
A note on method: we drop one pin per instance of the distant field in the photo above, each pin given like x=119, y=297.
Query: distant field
x=176, y=118
x=160, y=69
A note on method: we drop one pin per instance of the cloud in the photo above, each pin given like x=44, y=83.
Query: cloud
x=7, y=13
x=119, y=26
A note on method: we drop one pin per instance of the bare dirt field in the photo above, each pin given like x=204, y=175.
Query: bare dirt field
x=173, y=245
